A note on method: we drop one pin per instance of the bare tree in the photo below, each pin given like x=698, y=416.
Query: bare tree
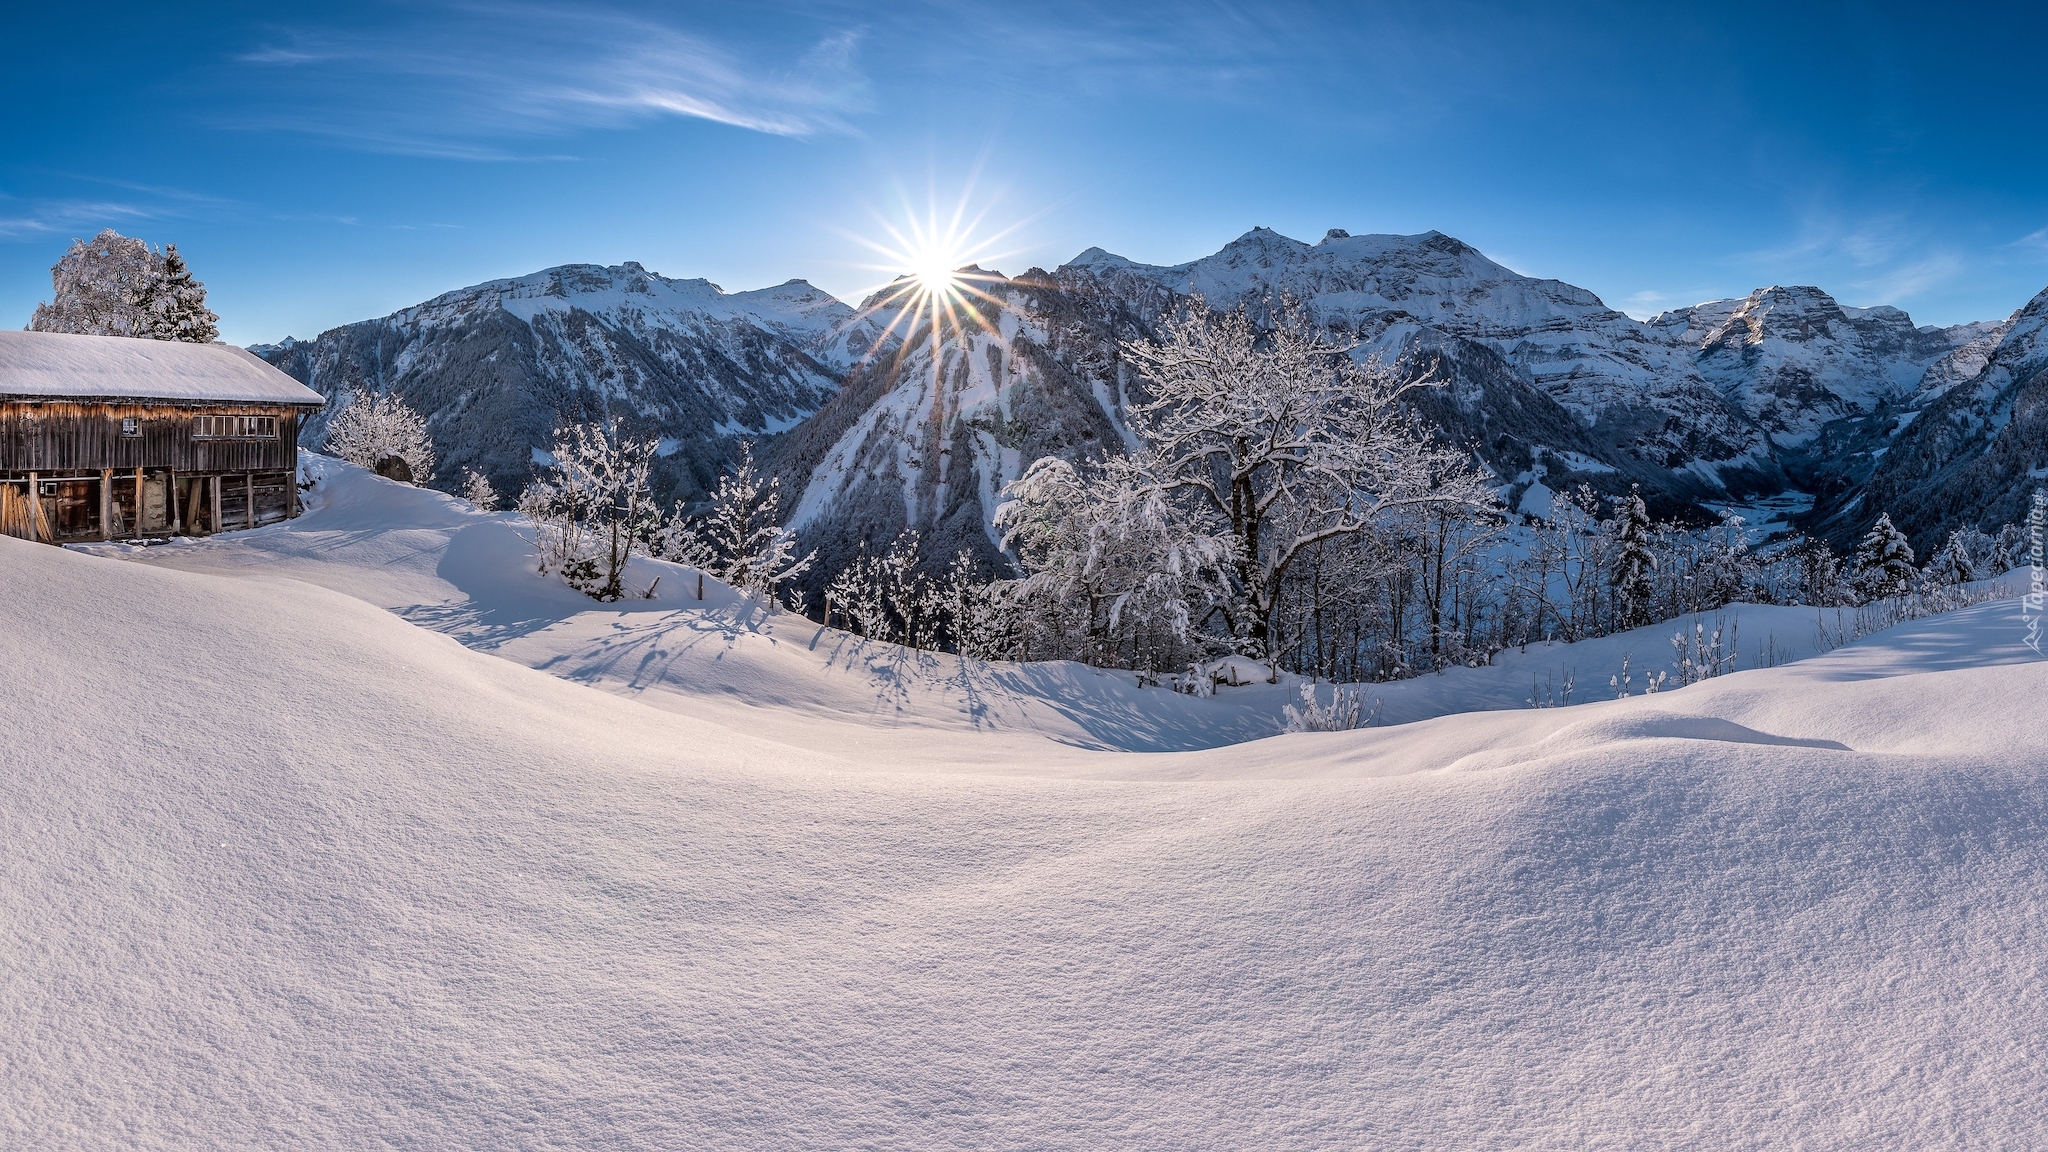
x=592, y=507
x=385, y=435
x=1287, y=440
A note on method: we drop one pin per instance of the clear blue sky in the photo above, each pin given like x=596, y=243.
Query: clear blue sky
x=321, y=164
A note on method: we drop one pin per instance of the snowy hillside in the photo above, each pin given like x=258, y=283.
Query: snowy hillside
x=495, y=366
x=347, y=874
x=1975, y=447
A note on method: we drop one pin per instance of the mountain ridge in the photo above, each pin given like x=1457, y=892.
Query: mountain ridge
x=1707, y=405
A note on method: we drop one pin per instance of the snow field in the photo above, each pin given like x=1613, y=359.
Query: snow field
x=287, y=865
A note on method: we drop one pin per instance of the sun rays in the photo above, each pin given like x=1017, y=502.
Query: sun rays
x=938, y=283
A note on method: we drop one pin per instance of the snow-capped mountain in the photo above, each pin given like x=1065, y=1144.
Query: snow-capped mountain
x=1719, y=402
x=1614, y=373
x=1545, y=382
x=495, y=366
x=1974, y=449
x=1793, y=359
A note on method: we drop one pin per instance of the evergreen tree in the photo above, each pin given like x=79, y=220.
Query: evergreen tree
x=177, y=304
x=1884, y=561
x=740, y=537
x=1634, y=589
x=1952, y=565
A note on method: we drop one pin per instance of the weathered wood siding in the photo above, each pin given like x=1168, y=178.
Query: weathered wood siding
x=72, y=437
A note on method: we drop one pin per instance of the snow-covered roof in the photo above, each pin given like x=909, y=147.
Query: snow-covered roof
x=55, y=364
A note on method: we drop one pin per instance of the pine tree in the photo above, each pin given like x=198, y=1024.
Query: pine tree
x=1952, y=565
x=740, y=539
x=1884, y=561
x=1633, y=561
x=177, y=304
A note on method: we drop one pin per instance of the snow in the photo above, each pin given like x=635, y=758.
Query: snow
x=795, y=308
x=56, y=364
x=351, y=832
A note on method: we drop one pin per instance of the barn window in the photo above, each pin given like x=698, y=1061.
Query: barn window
x=234, y=427
x=131, y=426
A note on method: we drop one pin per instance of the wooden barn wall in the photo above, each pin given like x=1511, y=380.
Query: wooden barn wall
x=52, y=436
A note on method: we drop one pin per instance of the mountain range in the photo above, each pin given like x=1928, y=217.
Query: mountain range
x=875, y=427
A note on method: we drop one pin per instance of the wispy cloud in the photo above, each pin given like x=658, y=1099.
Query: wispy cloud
x=2036, y=240
x=1908, y=280
x=85, y=215
x=48, y=217
x=1877, y=258
x=474, y=83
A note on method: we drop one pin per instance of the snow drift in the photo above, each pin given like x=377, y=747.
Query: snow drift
x=286, y=869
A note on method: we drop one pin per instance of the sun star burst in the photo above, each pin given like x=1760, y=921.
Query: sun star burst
x=937, y=281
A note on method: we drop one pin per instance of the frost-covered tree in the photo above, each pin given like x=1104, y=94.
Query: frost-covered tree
x=177, y=304
x=975, y=618
x=384, y=434
x=888, y=596
x=1824, y=580
x=1107, y=554
x=1563, y=574
x=1952, y=565
x=1284, y=440
x=118, y=285
x=1345, y=711
x=104, y=287
x=1635, y=564
x=476, y=488
x=1884, y=561
x=740, y=537
x=591, y=508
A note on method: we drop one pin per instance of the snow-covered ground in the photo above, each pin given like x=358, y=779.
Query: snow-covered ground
x=352, y=833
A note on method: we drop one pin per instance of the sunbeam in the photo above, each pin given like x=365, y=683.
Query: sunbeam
x=936, y=261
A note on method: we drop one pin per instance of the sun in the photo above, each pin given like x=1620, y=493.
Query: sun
x=937, y=271
x=934, y=262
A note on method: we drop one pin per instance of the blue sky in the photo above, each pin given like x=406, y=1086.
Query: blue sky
x=321, y=164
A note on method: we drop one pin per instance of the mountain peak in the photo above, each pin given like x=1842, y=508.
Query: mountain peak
x=1096, y=258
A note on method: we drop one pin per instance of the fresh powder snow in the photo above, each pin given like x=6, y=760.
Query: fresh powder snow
x=354, y=832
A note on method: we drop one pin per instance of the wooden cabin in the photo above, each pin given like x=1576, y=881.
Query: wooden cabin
x=110, y=438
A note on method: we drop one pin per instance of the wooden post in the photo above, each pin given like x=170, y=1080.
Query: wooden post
x=106, y=503
x=171, y=499
x=213, y=485
x=35, y=507
x=248, y=499
x=138, y=502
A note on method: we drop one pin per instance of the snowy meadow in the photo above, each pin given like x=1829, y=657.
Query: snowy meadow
x=405, y=844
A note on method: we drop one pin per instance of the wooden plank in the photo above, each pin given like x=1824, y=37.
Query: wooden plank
x=106, y=503
x=213, y=482
x=35, y=507
x=171, y=494
x=249, y=499
x=140, y=502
